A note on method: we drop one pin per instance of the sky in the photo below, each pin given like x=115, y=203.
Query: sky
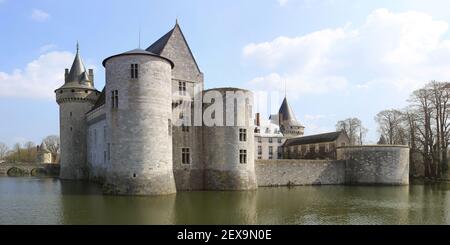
x=337, y=58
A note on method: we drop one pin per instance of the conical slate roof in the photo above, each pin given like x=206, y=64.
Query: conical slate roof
x=286, y=111
x=138, y=52
x=43, y=148
x=78, y=76
x=78, y=71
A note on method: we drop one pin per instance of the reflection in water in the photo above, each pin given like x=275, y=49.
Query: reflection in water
x=50, y=201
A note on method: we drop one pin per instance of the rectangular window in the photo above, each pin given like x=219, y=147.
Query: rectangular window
x=243, y=156
x=104, y=134
x=270, y=140
x=259, y=140
x=185, y=129
x=271, y=150
x=104, y=156
x=115, y=99
x=134, y=71
x=242, y=135
x=182, y=88
x=186, y=156
x=279, y=140
x=259, y=150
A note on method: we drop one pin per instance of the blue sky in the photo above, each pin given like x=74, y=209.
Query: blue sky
x=339, y=58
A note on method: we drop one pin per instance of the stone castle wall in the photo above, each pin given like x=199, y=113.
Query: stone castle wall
x=385, y=164
x=361, y=165
x=299, y=172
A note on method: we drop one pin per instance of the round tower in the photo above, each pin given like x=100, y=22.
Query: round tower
x=43, y=154
x=138, y=116
x=229, y=148
x=75, y=98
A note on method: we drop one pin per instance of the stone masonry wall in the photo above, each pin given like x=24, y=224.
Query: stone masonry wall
x=385, y=165
x=299, y=172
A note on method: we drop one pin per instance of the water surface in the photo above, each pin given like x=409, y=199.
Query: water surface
x=51, y=201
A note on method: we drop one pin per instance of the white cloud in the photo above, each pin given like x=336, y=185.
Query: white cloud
x=46, y=48
x=39, y=15
x=283, y=2
x=399, y=51
x=38, y=79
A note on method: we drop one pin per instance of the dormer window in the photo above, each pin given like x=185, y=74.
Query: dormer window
x=134, y=71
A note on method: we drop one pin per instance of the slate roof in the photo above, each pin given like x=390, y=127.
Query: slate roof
x=78, y=76
x=158, y=46
x=100, y=101
x=313, y=139
x=138, y=52
x=286, y=111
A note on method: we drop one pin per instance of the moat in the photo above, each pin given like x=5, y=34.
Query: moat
x=51, y=201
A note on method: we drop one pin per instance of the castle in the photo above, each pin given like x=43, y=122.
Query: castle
x=154, y=130
x=124, y=136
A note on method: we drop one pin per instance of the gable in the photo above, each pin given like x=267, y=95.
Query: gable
x=174, y=46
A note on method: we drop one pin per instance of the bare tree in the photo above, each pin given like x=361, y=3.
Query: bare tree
x=421, y=101
x=354, y=129
x=390, y=126
x=440, y=101
x=53, y=145
x=3, y=150
x=30, y=152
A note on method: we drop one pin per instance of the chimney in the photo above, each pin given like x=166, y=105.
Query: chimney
x=66, y=74
x=258, y=119
x=91, y=76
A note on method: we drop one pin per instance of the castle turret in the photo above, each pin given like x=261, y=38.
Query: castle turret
x=229, y=147
x=75, y=98
x=289, y=125
x=43, y=154
x=138, y=118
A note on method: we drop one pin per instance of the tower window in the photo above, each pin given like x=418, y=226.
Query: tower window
x=134, y=71
x=243, y=156
x=182, y=88
x=186, y=156
x=242, y=135
x=115, y=99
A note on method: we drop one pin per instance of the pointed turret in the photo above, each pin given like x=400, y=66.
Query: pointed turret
x=43, y=148
x=286, y=113
x=78, y=76
x=289, y=125
x=75, y=98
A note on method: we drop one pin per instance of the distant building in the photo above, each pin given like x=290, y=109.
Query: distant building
x=270, y=136
x=269, y=140
x=321, y=146
x=43, y=154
